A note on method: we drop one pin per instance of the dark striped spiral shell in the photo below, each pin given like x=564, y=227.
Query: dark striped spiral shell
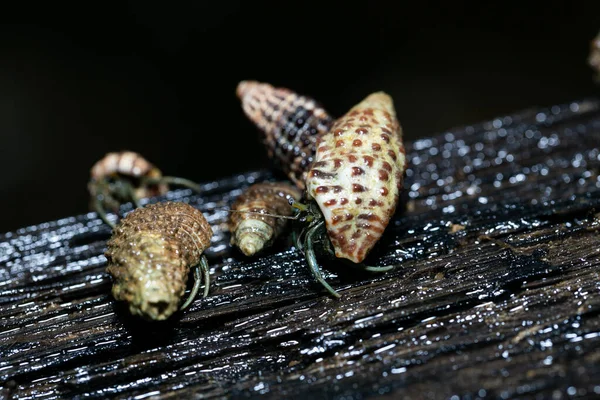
x=252, y=233
x=150, y=255
x=290, y=124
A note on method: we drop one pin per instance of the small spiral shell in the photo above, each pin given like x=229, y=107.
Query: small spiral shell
x=128, y=164
x=252, y=233
x=150, y=255
x=290, y=124
x=357, y=175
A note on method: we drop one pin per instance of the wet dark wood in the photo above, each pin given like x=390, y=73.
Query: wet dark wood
x=495, y=294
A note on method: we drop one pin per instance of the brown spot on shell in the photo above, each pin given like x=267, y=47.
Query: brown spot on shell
x=330, y=202
x=361, y=131
x=386, y=138
x=338, y=132
x=383, y=191
x=368, y=160
x=339, y=143
x=337, y=189
x=387, y=166
x=337, y=163
x=392, y=154
x=383, y=175
x=358, y=200
x=343, y=201
x=352, y=158
x=322, y=189
x=345, y=228
x=375, y=203
x=317, y=173
x=369, y=226
x=357, y=142
x=369, y=217
x=376, y=146
x=357, y=171
x=356, y=188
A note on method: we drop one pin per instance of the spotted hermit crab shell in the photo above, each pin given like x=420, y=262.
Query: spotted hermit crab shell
x=252, y=232
x=128, y=164
x=358, y=174
x=290, y=124
x=150, y=256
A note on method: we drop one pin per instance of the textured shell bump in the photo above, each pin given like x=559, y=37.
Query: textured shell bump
x=150, y=255
x=252, y=232
x=290, y=124
x=357, y=175
x=128, y=164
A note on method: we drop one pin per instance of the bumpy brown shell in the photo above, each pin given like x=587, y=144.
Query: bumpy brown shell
x=150, y=255
x=251, y=232
x=358, y=174
x=290, y=124
x=594, y=57
x=128, y=164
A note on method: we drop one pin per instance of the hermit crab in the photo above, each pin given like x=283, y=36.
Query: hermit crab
x=258, y=215
x=125, y=176
x=353, y=185
x=290, y=124
x=151, y=253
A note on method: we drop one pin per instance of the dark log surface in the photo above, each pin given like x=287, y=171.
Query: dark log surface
x=496, y=293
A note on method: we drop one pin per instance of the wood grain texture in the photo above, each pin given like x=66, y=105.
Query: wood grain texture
x=496, y=293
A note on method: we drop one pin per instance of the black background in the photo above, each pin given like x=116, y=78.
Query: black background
x=159, y=78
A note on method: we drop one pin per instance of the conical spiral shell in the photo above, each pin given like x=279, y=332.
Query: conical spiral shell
x=290, y=124
x=358, y=174
x=150, y=255
x=251, y=232
x=128, y=164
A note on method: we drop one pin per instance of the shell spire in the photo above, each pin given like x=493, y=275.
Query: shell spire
x=290, y=124
x=357, y=175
